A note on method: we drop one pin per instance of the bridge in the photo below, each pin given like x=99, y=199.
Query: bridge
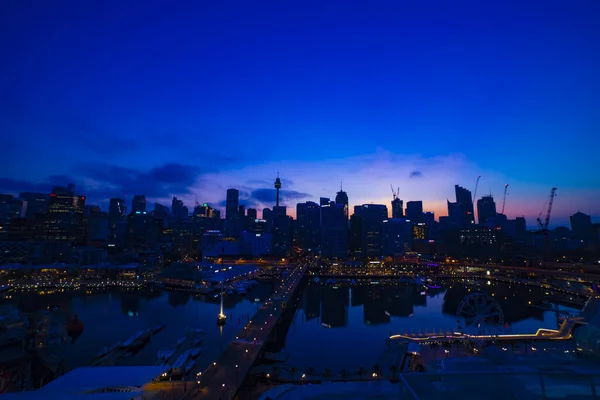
x=222, y=379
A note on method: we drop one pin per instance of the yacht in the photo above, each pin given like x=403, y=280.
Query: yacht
x=197, y=342
x=158, y=327
x=181, y=340
x=196, y=352
x=239, y=288
x=139, y=335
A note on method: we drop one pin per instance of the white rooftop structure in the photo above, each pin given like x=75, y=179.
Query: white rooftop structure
x=95, y=383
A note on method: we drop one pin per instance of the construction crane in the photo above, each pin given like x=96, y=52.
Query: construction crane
x=544, y=225
x=395, y=193
x=475, y=191
x=504, y=200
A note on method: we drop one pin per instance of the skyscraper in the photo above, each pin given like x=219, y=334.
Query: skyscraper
x=308, y=225
x=37, y=203
x=116, y=212
x=334, y=230
x=64, y=220
x=397, y=208
x=232, y=203
x=486, y=210
x=342, y=198
x=581, y=225
x=465, y=202
x=138, y=204
x=372, y=216
x=178, y=209
x=251, y=212
x=414, y=211
x=396, y=236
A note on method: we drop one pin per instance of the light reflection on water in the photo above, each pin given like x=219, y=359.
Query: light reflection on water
x=342, y=327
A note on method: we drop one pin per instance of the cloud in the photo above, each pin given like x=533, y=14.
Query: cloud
x=416, y=174
x=158, y=182
x=268, y=196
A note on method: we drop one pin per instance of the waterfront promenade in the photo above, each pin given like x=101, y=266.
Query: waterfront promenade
x=222, y=379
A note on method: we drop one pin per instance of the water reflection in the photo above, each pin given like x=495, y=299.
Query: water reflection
x=347, y=323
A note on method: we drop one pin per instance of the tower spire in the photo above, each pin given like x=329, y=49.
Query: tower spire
x=277, y=187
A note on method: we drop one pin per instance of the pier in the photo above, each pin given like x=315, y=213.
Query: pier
x=222, y=379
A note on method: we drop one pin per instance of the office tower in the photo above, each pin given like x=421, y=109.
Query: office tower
x=414, y=211
x=396, y=236
x=252, y=214
x=178, y=209
x=162, y=212
x=282, y=234
x=372, y=216
x=581, y=225
x=64, y=221
x=324, y=201
x=37, y=203
x=116, y=211
x=334, y=230
x=138, y=204
x=242, y=210
x=267, y=214
x=232, y=203
x=355, y=240
x=308, y=217
x=486, y=210
x=520, y=228
x=342, y=198
x=465, y=201
x=233, y=222
x=397, y=208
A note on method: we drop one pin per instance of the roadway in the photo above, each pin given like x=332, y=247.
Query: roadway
x=222, y=379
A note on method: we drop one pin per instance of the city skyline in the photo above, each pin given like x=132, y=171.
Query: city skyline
x=418, y=97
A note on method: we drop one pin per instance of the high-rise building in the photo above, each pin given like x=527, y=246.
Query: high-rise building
x=397, y=208
x=138, y=204
x=581, y=225
x=116, y=212
x=251, y=213
x=397, y=236
x=64, y=221
x=308, y=225
x=342, y=198
x=520, y=228
x=465, y=201
x=414, y=211
x=334, y=230
x=37, y=203
x=242, y=210
x=372, y=216
x=232, y=203
x=233, y=222
x=324, y=201
x=486, y=210
x=355, y=240
x=178, y=209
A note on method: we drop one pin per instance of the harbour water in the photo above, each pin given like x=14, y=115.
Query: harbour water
x=337, y=325
x=345, y=325
x=110, y=317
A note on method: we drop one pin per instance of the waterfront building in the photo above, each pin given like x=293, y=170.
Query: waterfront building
x=308, y=217
x=256, y=244
x=64, y=221
x=397, y=236
x=372, y=216
x=334, y=230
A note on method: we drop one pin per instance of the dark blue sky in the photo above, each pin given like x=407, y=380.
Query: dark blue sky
x=189, y=98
